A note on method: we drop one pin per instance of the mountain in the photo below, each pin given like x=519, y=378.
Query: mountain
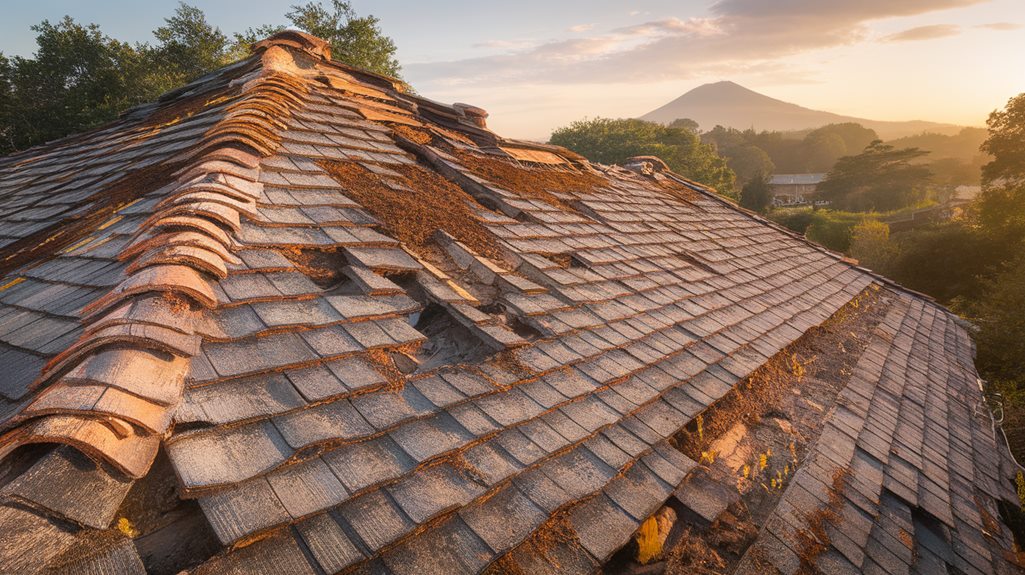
x=734, y=106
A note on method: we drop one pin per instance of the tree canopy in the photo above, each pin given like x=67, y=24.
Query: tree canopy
x=355, y=40
x=790, y=152
x=756, y=194
x=613, y=141
x=79, y=77
x=1006, y=143
x=881, y=178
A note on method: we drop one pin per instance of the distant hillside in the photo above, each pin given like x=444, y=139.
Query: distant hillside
x=963, y=146
x=734, y=106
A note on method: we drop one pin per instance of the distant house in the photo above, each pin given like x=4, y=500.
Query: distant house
x=794, y=189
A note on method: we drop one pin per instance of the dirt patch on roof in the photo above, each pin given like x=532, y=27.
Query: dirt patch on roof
x=412, y=134
x=534, y=183
x=678, y=190
x=413, y=216
x=756, y=437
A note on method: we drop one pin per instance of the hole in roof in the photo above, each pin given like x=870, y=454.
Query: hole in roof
x=931, y=534
x=1014, y=518
x=561, y=260
x=173, y=534
x=183, y=426
x=322, y=266
x=448, y=341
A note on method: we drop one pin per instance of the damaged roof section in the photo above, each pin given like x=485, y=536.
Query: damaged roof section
x=350, y=328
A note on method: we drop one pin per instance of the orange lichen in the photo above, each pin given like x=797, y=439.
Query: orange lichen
x=678, y=190
x=468, y=470
x=412, y=217
x=412, y=134
x=555, y=531
x=535, y=183
x=323, y=266
x=815, y=540
x=505, y=565
x=183, y=108
x=177, y=302
x=386, y=366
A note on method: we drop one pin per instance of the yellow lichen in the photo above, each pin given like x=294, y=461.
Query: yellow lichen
x=648, y=544
x=125, y=526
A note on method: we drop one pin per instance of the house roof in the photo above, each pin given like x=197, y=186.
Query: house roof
x=796, y=179
x=294, y=319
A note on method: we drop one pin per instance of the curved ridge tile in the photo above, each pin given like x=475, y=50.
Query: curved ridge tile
x=113, y=398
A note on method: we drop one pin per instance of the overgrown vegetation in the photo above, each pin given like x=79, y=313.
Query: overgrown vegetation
x=79, y=77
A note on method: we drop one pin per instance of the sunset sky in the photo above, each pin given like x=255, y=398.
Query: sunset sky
x=535, y=65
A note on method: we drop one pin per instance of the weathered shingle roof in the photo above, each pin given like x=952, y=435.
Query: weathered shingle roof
x=205, y=278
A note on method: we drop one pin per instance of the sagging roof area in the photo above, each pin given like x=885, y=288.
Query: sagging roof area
x=293, y=319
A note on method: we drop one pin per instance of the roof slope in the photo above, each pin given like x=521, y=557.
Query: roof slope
x=243, y=276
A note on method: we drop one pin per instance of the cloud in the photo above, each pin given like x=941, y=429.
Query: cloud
x=1000, y=26
x=581, y=28
x=507, y=45
x=924, y=33
x=837, y=11
x=736, y=35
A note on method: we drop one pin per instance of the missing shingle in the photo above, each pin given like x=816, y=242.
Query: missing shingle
x=171, y=534
x=536, y=182
x=520, y=327
x=1014, y=518
x=323, y=266
x=448, y=341
x=931, y=534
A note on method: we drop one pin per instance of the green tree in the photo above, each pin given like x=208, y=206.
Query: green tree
x=355, y=40
x=77, y=78
x=1000, y=209
x=881, y=178
x=6, y=104
x=756, y=194
x=613, y=141
x=188, y=48
x=871, y=245
x=948, y=261
x=1006, y=143
x=1001, y=321
x=749, y=162
x=822, y=150
x=686, y=124
x=854, y=137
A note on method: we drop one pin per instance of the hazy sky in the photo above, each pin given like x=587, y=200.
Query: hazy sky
x=535, y=65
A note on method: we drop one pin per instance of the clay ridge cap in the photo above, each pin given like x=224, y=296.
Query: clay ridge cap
x=139, y=338
x=308, y=43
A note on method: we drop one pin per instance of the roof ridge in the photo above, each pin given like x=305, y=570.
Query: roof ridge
x=115, y=390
